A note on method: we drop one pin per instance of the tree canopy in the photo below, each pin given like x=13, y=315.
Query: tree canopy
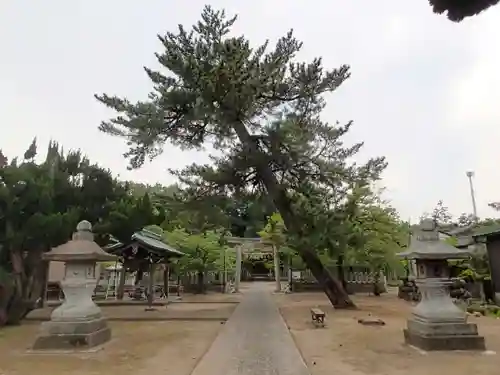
x=40, y=206
x=262, y=109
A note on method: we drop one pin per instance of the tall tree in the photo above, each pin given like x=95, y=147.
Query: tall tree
x=128, y=215
x=260, y=107
x=382, y=234
x=3, y=159
x=30, y=153
x=40, y=205
x=156, y=191
x=204, y=253
x=465, y=220
x=440, y=214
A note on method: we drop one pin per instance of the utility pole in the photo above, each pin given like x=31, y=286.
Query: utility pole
x=469, y=175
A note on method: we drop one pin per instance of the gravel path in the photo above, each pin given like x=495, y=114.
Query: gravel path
x=254, y=341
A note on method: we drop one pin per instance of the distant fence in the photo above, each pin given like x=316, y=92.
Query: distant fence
x=358, y=280
x=212, y=281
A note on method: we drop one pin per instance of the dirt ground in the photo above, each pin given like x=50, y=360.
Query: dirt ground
x=175, y=311
x=169, y=340
x=213, y=297
x=191, y=307
x=345, y=347
x=139, y=348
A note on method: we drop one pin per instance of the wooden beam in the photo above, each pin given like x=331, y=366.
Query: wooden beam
x=247, y=241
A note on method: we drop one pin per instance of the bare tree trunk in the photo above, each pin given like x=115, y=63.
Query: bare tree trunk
x=16, y=308
x=332, y=287
x=35, y=279
x=6, y=293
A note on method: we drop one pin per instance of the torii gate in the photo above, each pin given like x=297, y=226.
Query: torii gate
x=243, y=245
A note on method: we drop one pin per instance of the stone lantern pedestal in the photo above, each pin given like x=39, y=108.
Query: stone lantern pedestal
x=78, y=322
x=438, y=324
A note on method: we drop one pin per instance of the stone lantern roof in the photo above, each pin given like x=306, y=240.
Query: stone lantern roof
x=426, y=244
x=80, y=248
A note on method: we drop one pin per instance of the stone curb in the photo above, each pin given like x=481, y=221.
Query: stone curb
x=149, y=319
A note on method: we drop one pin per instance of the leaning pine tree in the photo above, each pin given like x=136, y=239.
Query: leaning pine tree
x=262, y=109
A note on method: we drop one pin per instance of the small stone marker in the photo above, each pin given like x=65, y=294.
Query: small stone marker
x=371, y=322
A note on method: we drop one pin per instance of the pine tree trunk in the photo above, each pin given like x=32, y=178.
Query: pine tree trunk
x=332, y=287
x=340, y=271
x=16, y=308
x=6, y=293
x=36, y=273
x=27, y=288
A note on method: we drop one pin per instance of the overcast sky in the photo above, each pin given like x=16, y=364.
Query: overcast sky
x=423, y=90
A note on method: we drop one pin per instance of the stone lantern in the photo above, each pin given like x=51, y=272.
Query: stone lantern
x=436, y=322
x=77, y=322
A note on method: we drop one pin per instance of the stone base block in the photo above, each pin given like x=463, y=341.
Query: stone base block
x=444, y=342
x=54, y=327
x=442, y=329
x=72, y=335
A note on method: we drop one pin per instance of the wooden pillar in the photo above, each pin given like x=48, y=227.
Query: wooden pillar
x=277, y=273
x=178, y=285
x=166, y=278
x=290, y=273
x=121, y=284
x=138, y=276
x=150, y=285
x=238, y=269
x=224, y=271
x=286, y=266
